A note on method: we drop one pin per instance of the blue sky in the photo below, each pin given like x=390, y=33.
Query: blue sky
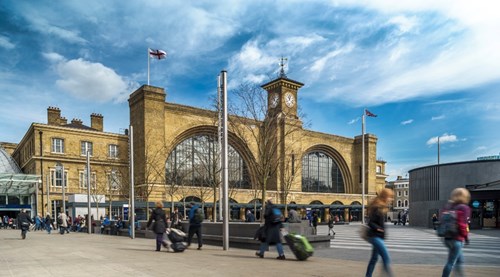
x=426, y=68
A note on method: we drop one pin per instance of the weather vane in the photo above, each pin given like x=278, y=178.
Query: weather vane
x=282, y=65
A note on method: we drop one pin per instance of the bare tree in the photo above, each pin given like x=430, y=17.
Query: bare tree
x=154, y=173
x=289, y=173
x=267, y=132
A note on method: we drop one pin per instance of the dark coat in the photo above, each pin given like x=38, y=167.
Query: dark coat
x=160, y=225
x=272, y=229
x=376, y=221
x=23, y=218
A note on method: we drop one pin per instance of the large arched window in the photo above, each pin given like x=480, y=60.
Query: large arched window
x=320, y=173
x=195, y=161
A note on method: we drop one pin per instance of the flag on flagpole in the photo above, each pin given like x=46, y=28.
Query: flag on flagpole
x=157, y=54
x=368, y=113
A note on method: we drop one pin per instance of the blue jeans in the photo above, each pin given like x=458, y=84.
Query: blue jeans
x=378, y=249
x=48, y=228
x=265, y=245
x=455, y=257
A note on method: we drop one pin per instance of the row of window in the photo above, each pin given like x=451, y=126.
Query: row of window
x=401, y=186
x=85, y=146
x=194, y=162
x=113, y=179
x=400, y=203
x=399, y=193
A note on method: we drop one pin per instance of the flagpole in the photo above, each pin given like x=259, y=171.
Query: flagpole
x=363, y=166
x=148, y=66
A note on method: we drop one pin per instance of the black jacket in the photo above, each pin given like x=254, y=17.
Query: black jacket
x=376, y=223
x=160, y=225
x=272, y=229
x=23, y=218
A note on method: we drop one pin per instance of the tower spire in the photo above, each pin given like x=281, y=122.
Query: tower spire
x=282, y=65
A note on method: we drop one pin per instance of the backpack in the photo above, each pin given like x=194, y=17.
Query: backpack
x=276, y=215
x=448, y=224
x=198, y=216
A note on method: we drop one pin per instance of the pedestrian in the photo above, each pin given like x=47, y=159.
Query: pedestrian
x=175, y=221
x=196, y=217
x=38, y=222
x=404, y=217
x=272, y=231
x=293, y=216
x=5, y=221
x=249, y=217
x=314, y=223
x=62, y=221
x=159, y=225
x=435, y=221
x=106, y=224
x=458, y=202
x=49, y=224
x=377, y=232
x=399, y=217
x=23, y=223
x=331, y=224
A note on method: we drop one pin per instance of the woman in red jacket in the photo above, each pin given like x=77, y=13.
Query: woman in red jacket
x=458, y=202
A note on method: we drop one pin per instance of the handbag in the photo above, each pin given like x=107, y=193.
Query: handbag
x=364, y=232
x=260, y=234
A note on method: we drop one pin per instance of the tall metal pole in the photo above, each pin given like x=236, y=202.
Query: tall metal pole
x=148, y=66
x=225, y=161
x=219, y=141
x=48, y=194
x=363, y=167
x=132, y=200
x=89, y=209
x=63, y=190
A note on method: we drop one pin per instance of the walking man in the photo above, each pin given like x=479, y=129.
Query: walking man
x=196, y=217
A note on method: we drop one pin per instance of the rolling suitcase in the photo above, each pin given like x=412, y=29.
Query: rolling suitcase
x=176, y=238
x=300, y=246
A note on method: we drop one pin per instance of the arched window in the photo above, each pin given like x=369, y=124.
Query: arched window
x=195, y=161
x=320, y=173
x=399, y=203
x=406, y=203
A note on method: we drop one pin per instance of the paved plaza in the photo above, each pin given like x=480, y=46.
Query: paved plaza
x=78, y=254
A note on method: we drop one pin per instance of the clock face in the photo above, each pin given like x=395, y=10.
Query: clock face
x=289, y=100
x=274, y=100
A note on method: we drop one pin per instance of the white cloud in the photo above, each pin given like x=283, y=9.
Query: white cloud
x=439, y=117
x=405, y=24
x=406, y=122
x=90, y=81
x=480, y=148
x=445, y=138
x=354, y=120
x=5, y=43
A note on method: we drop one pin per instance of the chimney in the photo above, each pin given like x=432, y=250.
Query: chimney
x=76, y=121
x=63, y=121
x=53, y=116
x=97, y=122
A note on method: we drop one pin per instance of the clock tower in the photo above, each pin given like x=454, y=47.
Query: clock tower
x=282, y=97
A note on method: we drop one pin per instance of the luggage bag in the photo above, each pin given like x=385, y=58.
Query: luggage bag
x=300, y=246
x=176, y=238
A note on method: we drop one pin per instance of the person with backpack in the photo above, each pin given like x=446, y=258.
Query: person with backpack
x=272, y=230
x=196, y=217
x=377, y=232
x=49, y=224
x=24, y=221
x=453, y=227
x=62, y=222
x=331, y=224
x=159, y=226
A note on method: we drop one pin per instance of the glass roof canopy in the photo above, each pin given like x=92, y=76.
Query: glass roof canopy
x=12, y=180
x=18, y=183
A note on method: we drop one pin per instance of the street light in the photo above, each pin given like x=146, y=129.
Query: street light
x=60, y=167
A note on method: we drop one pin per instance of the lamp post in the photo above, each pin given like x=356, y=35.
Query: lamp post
x=60, y=167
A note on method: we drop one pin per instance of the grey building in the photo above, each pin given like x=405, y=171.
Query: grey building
x=430, y=188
